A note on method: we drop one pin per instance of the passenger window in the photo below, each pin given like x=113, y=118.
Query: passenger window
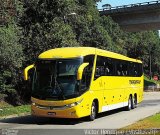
x=87, y=73
x=109, y=67
x=115, y=67
x=100, y=67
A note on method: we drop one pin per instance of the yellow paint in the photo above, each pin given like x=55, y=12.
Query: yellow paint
x=108, y=90
x=26, y=71
x=80, y=70
x=71, y=52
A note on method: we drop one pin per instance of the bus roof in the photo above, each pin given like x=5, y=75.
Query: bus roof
x=72, y=52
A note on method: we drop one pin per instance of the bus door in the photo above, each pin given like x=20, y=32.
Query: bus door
x=97, y=86
x=100, y=79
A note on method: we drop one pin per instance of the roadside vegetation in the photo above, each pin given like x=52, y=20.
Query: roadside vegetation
x=30, y=27
x=150, y=82
x=147, y=123
x=7, y=110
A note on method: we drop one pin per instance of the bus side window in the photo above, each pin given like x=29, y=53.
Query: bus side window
x=98, y=72
x=124, y=68
x=109, y=67
x=87, y=73
x=119, y=68
x=135, y=69
x=107, y=70
x=140, y=69
x=100, y=69
x=130, y=69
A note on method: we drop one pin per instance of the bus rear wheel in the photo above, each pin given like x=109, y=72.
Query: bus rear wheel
x=134, y=102
x=93, y=112
x=129, y=106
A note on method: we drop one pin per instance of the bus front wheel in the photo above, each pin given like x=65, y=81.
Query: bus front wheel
x=93, y=111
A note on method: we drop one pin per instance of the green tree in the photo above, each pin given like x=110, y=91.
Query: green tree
x=11, y=55
x=45, y=27
x=144, y=46
x=89, y=30
x=117, y=36
x=57, y=23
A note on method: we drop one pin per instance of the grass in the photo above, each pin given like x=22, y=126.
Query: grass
x=6, y=109
x=148, y=82
x=148, y=126
x=147, y=123
x=4, y=105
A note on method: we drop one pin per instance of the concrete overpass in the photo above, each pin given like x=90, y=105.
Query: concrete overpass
x=135, y=17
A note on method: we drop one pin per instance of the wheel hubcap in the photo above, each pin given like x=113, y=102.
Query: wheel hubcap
x=93, y=111
x=129, y=104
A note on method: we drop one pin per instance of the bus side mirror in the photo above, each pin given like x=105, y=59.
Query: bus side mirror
x=26, y=71
x=80, y=70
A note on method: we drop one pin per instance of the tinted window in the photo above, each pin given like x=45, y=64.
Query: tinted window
x=104, y=67
x=114, y=67
x=87, y=73
x=135, y=69
x=109, y=67
x=121, y=68
x=100, y=67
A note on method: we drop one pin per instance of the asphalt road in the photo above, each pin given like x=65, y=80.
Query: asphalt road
x=116, y=119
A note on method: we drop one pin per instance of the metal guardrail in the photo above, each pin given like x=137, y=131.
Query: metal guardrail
x=152, y=88
x=130, y=5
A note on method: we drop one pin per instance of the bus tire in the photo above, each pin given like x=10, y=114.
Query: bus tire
x=93, y=114
x=134, y=102
x=129, y=106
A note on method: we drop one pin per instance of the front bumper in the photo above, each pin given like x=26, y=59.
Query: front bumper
x=74, y=112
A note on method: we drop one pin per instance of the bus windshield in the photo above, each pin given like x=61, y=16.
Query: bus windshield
x=55, y=79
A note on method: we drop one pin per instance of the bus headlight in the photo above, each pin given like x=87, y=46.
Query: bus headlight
x=57, y=107
x=33, y=103
x=74, y=104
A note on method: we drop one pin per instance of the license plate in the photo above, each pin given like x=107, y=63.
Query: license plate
x=51, y=113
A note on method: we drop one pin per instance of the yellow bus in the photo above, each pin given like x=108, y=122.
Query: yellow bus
x=84, y=81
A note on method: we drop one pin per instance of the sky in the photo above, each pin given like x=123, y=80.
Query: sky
x=114, y=3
